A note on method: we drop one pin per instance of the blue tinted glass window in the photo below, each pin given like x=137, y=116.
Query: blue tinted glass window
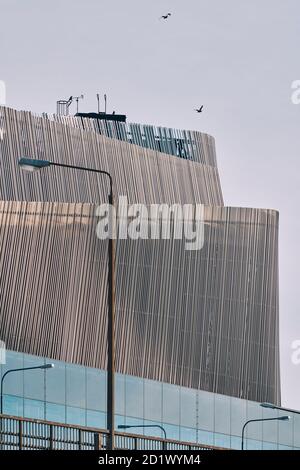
x=34, y=380
x=222, y=440
x=13, y=383
x=188, y=408
x=153, y=400
x=171, y=400
x=238, y=416
x=34, y=409
x=205, y=437
x=269, y=428
x=134, y=397
x=76, y=416
x=56, y=383
x=285, y=431
x=96, y=419
x=120, y=394
x=205, y=410
x=135, y=421
x=268, y=446
x=55, y=412
x=13, y=405
x=254, y=430
x=76, y=385
x=297, y=431
x=187, y=434
x=96, y=389
x=222, y=414
x=171, y=431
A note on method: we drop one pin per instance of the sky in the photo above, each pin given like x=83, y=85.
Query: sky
x=238, y=58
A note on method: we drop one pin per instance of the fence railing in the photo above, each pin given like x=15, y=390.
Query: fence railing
x=29, y=434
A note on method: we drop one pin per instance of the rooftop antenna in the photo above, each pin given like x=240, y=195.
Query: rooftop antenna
x=63, y=106
x=105, y=100
x=77, y=98
x=98, y=103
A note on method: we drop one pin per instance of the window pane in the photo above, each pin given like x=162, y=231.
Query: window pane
x=297, y=431
x=96, y=419
x=285, y=431
x=13, y=383
x=76, y=388
x=171, y=404
x=153, y=400
x=171, y=431
x=222, y=440
x=222, y=416
x=75, y=416
x=188, y=407
x=96, y=389
x=56, y=383
x=205, y=410
x=254, y=430
x=13, y=405
x=270, y=429
x=34, y=380
x=134, y=396
x=238, y=416
x=120, y=394
x=187, y=434
x=34, y=409
x=205, y=437
x=56, y=413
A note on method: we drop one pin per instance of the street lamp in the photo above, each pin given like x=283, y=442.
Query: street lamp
x=279, y=418
x=43, y=366
x=125, y=426
x=32, y=165
x=275, y=407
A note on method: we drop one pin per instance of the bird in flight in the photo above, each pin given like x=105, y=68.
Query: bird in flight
x=165, y=17
x=199, y=110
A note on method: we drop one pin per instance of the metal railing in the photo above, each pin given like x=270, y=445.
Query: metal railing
x=29, y=434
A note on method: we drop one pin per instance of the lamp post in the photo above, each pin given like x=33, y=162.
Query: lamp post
x=125, y=426
x=43, y=366
x=30, y=164
x=275, y=407
x=279, y=418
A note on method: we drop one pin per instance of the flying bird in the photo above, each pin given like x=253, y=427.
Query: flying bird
x=165, y=17
x=199, y=110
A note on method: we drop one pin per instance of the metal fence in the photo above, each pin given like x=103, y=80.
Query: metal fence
x=29, y=434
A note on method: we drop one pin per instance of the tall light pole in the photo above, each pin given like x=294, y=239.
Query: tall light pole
x=279, y=418
x=125, y=426
x=42, y=366
x=30, y=164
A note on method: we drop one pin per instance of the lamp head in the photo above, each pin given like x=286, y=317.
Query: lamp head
x=268, y=405
x=47, y=366
x=30, y=164
x=284, y=418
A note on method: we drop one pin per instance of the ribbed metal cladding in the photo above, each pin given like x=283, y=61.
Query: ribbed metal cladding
x=205, y=319
x=144, y=175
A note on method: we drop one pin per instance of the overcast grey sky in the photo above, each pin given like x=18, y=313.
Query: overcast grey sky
x=237, y=57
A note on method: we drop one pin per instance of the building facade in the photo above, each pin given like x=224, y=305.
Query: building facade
x=204, y=319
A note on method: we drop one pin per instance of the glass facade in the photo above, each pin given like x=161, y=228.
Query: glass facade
x=74, y=394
